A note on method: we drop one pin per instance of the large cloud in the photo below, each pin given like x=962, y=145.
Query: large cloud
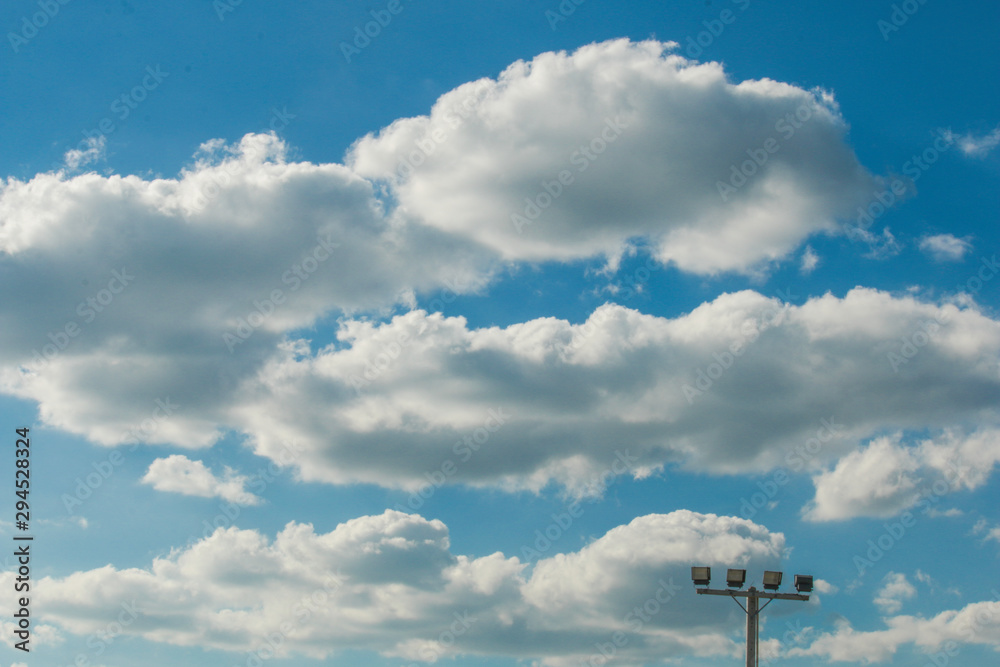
x=887, y=476
x=390, y=583
x=153, y=297
x=122, y=291
x=942, y=635
x=642, y=139
x=742, y=383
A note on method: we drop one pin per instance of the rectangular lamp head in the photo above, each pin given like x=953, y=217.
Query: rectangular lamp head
x=736, y=578
x=701, y=576
x=772, y=580
x=803, y=583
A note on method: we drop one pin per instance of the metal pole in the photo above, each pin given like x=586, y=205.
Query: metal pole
x=752, y=627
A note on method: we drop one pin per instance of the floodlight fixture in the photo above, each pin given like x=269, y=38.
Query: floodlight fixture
x=736, y=578
x=772, y=580
x=701, y=576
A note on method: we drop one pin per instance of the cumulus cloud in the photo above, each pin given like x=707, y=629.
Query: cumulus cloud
x=572, y=154
x=976, y=623
x=730, y=387
x=126, y=293
x=171, y=310
x=390, y=583
x=945, y=247
x=887, y=476
x=179, y=474
x=895, y=589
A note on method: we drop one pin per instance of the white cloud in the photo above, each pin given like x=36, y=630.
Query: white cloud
x=42, y=634
x=875, y=480
x=887, y=476
x=180, y=474
x=982, y=527
x=895, y=589
x=976, y=623
x=392, y=403
x=945, y=247
x=390, y=583
x=643, y=139
x=810, y=260
x=575, y=394
x=151, y=275
x=94, y=151
x=880, y=246
x=142, y=280
x=823, y=586
x=976, y=145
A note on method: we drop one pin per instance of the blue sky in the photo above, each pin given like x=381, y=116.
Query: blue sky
x=463, y=339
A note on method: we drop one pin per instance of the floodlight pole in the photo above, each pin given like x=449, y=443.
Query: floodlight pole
x=753, y=611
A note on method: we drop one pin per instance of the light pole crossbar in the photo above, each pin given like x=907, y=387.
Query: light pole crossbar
x=752, y=611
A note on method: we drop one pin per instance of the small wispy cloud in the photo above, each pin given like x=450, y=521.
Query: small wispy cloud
x=945, y=247
x=895, y=589
x=93, y=151
x=880, y=246
x=810, y=260
x=973, y=145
